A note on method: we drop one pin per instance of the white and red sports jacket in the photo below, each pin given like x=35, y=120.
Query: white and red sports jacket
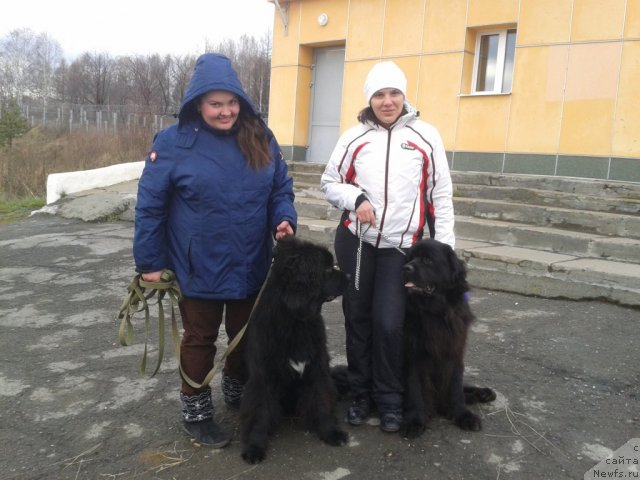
x=403, y=172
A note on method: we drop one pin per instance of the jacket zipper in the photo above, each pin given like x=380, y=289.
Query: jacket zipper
x=386, y=189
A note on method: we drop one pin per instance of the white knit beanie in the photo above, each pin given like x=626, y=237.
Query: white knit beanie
x=384, y=75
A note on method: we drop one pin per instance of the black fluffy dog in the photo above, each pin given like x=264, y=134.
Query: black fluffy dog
x=286, y=349
x=437, y=320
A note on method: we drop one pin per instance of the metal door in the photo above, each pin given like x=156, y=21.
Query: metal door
x=326, y=102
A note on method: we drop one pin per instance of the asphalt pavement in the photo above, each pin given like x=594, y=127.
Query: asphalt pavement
x=73, y=404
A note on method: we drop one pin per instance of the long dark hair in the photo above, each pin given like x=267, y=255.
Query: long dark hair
x=253, y=138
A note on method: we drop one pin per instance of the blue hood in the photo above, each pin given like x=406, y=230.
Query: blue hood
x=212, y=72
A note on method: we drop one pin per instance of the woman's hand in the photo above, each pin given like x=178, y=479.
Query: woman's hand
x=152, y=276
x=283, y=230
x=366, y=214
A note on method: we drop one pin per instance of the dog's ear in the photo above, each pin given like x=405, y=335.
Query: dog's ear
x=457, y=269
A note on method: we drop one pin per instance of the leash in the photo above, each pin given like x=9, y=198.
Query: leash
x=137, y=300
x=360, y=235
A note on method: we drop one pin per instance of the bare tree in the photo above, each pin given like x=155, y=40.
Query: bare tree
x=142, y=73
x=15, y=63
x=182, y=69
x=46, y=56
x=251, y=58
x=89, y=78
x=27, y=64
x=75, y=82
x=98, y=76
x=121, y=82
x=161, y=69
x=33, y=70
x=60, y=82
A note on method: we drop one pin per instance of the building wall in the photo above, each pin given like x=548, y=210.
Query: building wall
x=574, y=109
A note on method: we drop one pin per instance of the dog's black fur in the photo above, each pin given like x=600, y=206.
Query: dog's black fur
x=436, y=324
x=287, y=357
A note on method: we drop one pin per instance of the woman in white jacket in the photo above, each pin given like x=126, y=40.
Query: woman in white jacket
x=390, y=176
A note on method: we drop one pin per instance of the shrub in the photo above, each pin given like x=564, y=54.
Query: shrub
x=41, y=151
x=12, y=124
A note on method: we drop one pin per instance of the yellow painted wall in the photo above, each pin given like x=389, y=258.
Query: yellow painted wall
x=595, y=20
x=365, y=29
x=590, y=97
x=481, y=13
x=451, y=13
x=626, y=123
x=438, y=100
x=575, y=88
x=403, y=28
x=536, y=108
x=544, y=22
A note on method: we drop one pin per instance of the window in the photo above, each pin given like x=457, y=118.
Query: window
x=493, y=63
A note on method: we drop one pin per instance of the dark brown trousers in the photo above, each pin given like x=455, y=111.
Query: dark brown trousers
x=201, y=320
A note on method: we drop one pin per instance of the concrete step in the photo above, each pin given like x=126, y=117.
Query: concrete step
x=512, y=234
x=550, y=275
x=548, y=239
x=565, y=219
x=305, y=167
x=577, y=186
x=317, y=230
x=306, y=178
x=601, y=223
x=603, y=189
x=306, y=173
x=553, y=237
x=525, y=270
x=316, y=208
x=536, y=196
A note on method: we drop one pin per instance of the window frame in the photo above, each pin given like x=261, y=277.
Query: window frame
x=500, y=61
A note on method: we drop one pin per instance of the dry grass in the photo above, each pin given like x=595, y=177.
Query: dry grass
x=25, y=166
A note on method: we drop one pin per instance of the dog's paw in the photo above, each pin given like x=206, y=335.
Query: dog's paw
x=335, y=438
x=412, y=429
x=468, y=421
x=253, y=454
x=485, y=395
x=473, y=395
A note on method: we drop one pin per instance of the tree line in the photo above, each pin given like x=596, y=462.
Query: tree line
x=34, y=72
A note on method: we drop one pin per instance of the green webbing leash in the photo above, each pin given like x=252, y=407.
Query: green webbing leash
x=137, y=300
x=139, y=294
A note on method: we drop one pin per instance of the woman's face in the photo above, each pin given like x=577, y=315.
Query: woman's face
x=219, y=109
x=387, y=105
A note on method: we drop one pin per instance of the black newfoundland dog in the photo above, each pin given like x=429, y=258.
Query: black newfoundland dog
x=436, y=324
x=286, y=349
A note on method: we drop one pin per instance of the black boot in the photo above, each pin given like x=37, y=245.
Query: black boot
x=197, y=413
x=207, y=432
x=391, y=421
x=360, y=410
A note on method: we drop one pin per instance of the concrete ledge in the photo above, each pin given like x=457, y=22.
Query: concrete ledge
x=61, y=184
x=99, y=207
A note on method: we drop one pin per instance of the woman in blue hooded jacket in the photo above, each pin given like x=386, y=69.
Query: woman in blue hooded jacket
x=213, y=195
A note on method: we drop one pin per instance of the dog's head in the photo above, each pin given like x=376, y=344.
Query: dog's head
x=432, y=267
x=306, y=274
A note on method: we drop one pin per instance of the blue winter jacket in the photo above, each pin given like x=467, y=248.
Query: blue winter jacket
x=201, y=210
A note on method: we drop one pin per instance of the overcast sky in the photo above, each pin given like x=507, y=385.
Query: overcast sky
x=130, y=27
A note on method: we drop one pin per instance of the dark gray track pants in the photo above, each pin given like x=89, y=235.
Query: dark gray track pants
x=374, y=317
